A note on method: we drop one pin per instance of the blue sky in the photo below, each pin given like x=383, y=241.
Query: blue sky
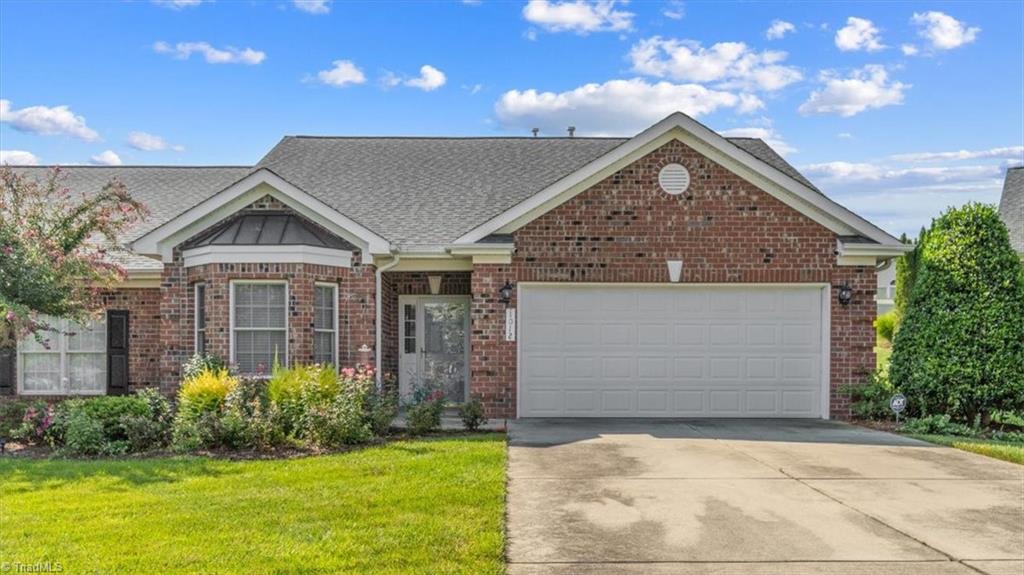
x=897, y=110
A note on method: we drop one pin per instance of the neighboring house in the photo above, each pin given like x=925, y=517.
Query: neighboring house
x=1011, y=207
x=675, y=273
x=886, y=294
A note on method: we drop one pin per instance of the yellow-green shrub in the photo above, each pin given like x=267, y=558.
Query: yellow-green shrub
x=205, y=393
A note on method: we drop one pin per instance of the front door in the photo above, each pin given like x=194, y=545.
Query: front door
x=433, y=334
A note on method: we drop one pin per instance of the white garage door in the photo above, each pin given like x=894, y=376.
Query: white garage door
x=670, y=351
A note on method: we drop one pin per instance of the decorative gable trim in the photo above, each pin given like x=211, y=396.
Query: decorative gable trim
x=243, y=193
x=681, y=127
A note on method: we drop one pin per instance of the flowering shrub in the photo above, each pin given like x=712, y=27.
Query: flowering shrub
x=201, y=362
x=424, y=409
x=54, y=245
x=36, y=421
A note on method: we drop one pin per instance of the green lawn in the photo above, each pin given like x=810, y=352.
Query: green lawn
x=427, y=506
x=1000, y=450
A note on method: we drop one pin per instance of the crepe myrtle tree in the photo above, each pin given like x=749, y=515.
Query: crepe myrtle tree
x=54, y=249
x=959, y=350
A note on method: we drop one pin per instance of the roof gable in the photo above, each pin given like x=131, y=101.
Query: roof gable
x=770, y=178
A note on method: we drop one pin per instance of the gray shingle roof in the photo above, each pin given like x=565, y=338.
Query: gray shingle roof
x=762, y=151
x=412, y=191
x=1011, y=206
x=165, y=190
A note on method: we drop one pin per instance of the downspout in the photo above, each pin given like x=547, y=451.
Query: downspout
x=378, y=351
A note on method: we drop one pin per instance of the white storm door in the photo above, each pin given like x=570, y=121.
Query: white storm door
x=433, y=333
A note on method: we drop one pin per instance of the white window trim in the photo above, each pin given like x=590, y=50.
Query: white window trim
x=231, y=318
x=337, y=313
x=195, y=315
x=65, y=379
x=267, y=254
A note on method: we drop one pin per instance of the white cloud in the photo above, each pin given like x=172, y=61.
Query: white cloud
x=1005, y=153
x=779, y=29
x=430, y=78
x=343, y=73
x=769, y=135
x=177, y=4
x=18, y=158
x=908, y=49
x=865, y=88
x=227, y=55
x=472, y=2
x=473, y=89
x=943, y=31
x=577, y=16
x=45, y=121
x=151, y=143
x=858, y=34
x=616, y=107
x=844, y=136
x=729, y=64
x=107, y=158
x=313, y=6
x=902, y=196
x=675, y=10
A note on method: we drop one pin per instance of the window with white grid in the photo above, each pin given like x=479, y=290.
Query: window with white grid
x=200, y=319
x=259, y=325
x=325, y=324
x=69, y=360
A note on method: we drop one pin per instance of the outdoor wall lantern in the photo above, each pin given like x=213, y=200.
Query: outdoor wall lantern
x=505, y=293
x=845, y=293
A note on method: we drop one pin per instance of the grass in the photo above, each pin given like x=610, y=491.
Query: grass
x=425, y=506
x=1013, y=452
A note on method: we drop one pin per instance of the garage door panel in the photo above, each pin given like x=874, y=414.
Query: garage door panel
x=679, y=351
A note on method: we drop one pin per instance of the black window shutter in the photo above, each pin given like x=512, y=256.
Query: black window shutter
x=8, y=356
x=117, y=352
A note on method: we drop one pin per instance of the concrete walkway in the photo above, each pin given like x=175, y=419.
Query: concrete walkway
x=754, y=497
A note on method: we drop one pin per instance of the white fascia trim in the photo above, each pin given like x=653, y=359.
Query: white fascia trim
x=162, y=240
x=267, y=254
x=682, y=127
x=481, y=249
x=876, y=250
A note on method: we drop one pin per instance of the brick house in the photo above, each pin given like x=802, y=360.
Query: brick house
x=677, y=273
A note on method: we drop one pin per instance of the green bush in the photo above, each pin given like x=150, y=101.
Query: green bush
x=296, y=390
x=937, y=425
x=885, y=325
x=472, y=414
x=425, y=416
x=381, y=409
x=906, y=274
x=960, y=345
x=870, y=400
x=250, y=419
x=152, y=430
x=110, y=412
x=84, y=435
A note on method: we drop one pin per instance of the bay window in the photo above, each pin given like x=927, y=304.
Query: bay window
x=69, y=361
x=325, y=324
x=259, y=325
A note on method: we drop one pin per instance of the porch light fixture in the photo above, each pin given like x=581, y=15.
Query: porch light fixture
x=845, y=293
x=505, y=293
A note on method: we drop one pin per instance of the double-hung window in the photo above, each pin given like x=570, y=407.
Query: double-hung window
x=69, y=361
x=200, y=319
x=325, y=323
x=259, y=325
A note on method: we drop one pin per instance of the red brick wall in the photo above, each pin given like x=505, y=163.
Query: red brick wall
x=723, y=228
x=144, y=345
x=355, y=309
x=395, y=284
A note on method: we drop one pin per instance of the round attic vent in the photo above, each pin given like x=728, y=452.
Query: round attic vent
x=674, y=179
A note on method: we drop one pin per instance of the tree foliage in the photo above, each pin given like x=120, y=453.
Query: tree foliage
x=55, y=248
x=960, y=347
x=906, y=273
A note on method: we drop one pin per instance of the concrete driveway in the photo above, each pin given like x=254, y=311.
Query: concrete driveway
x=754, y=497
